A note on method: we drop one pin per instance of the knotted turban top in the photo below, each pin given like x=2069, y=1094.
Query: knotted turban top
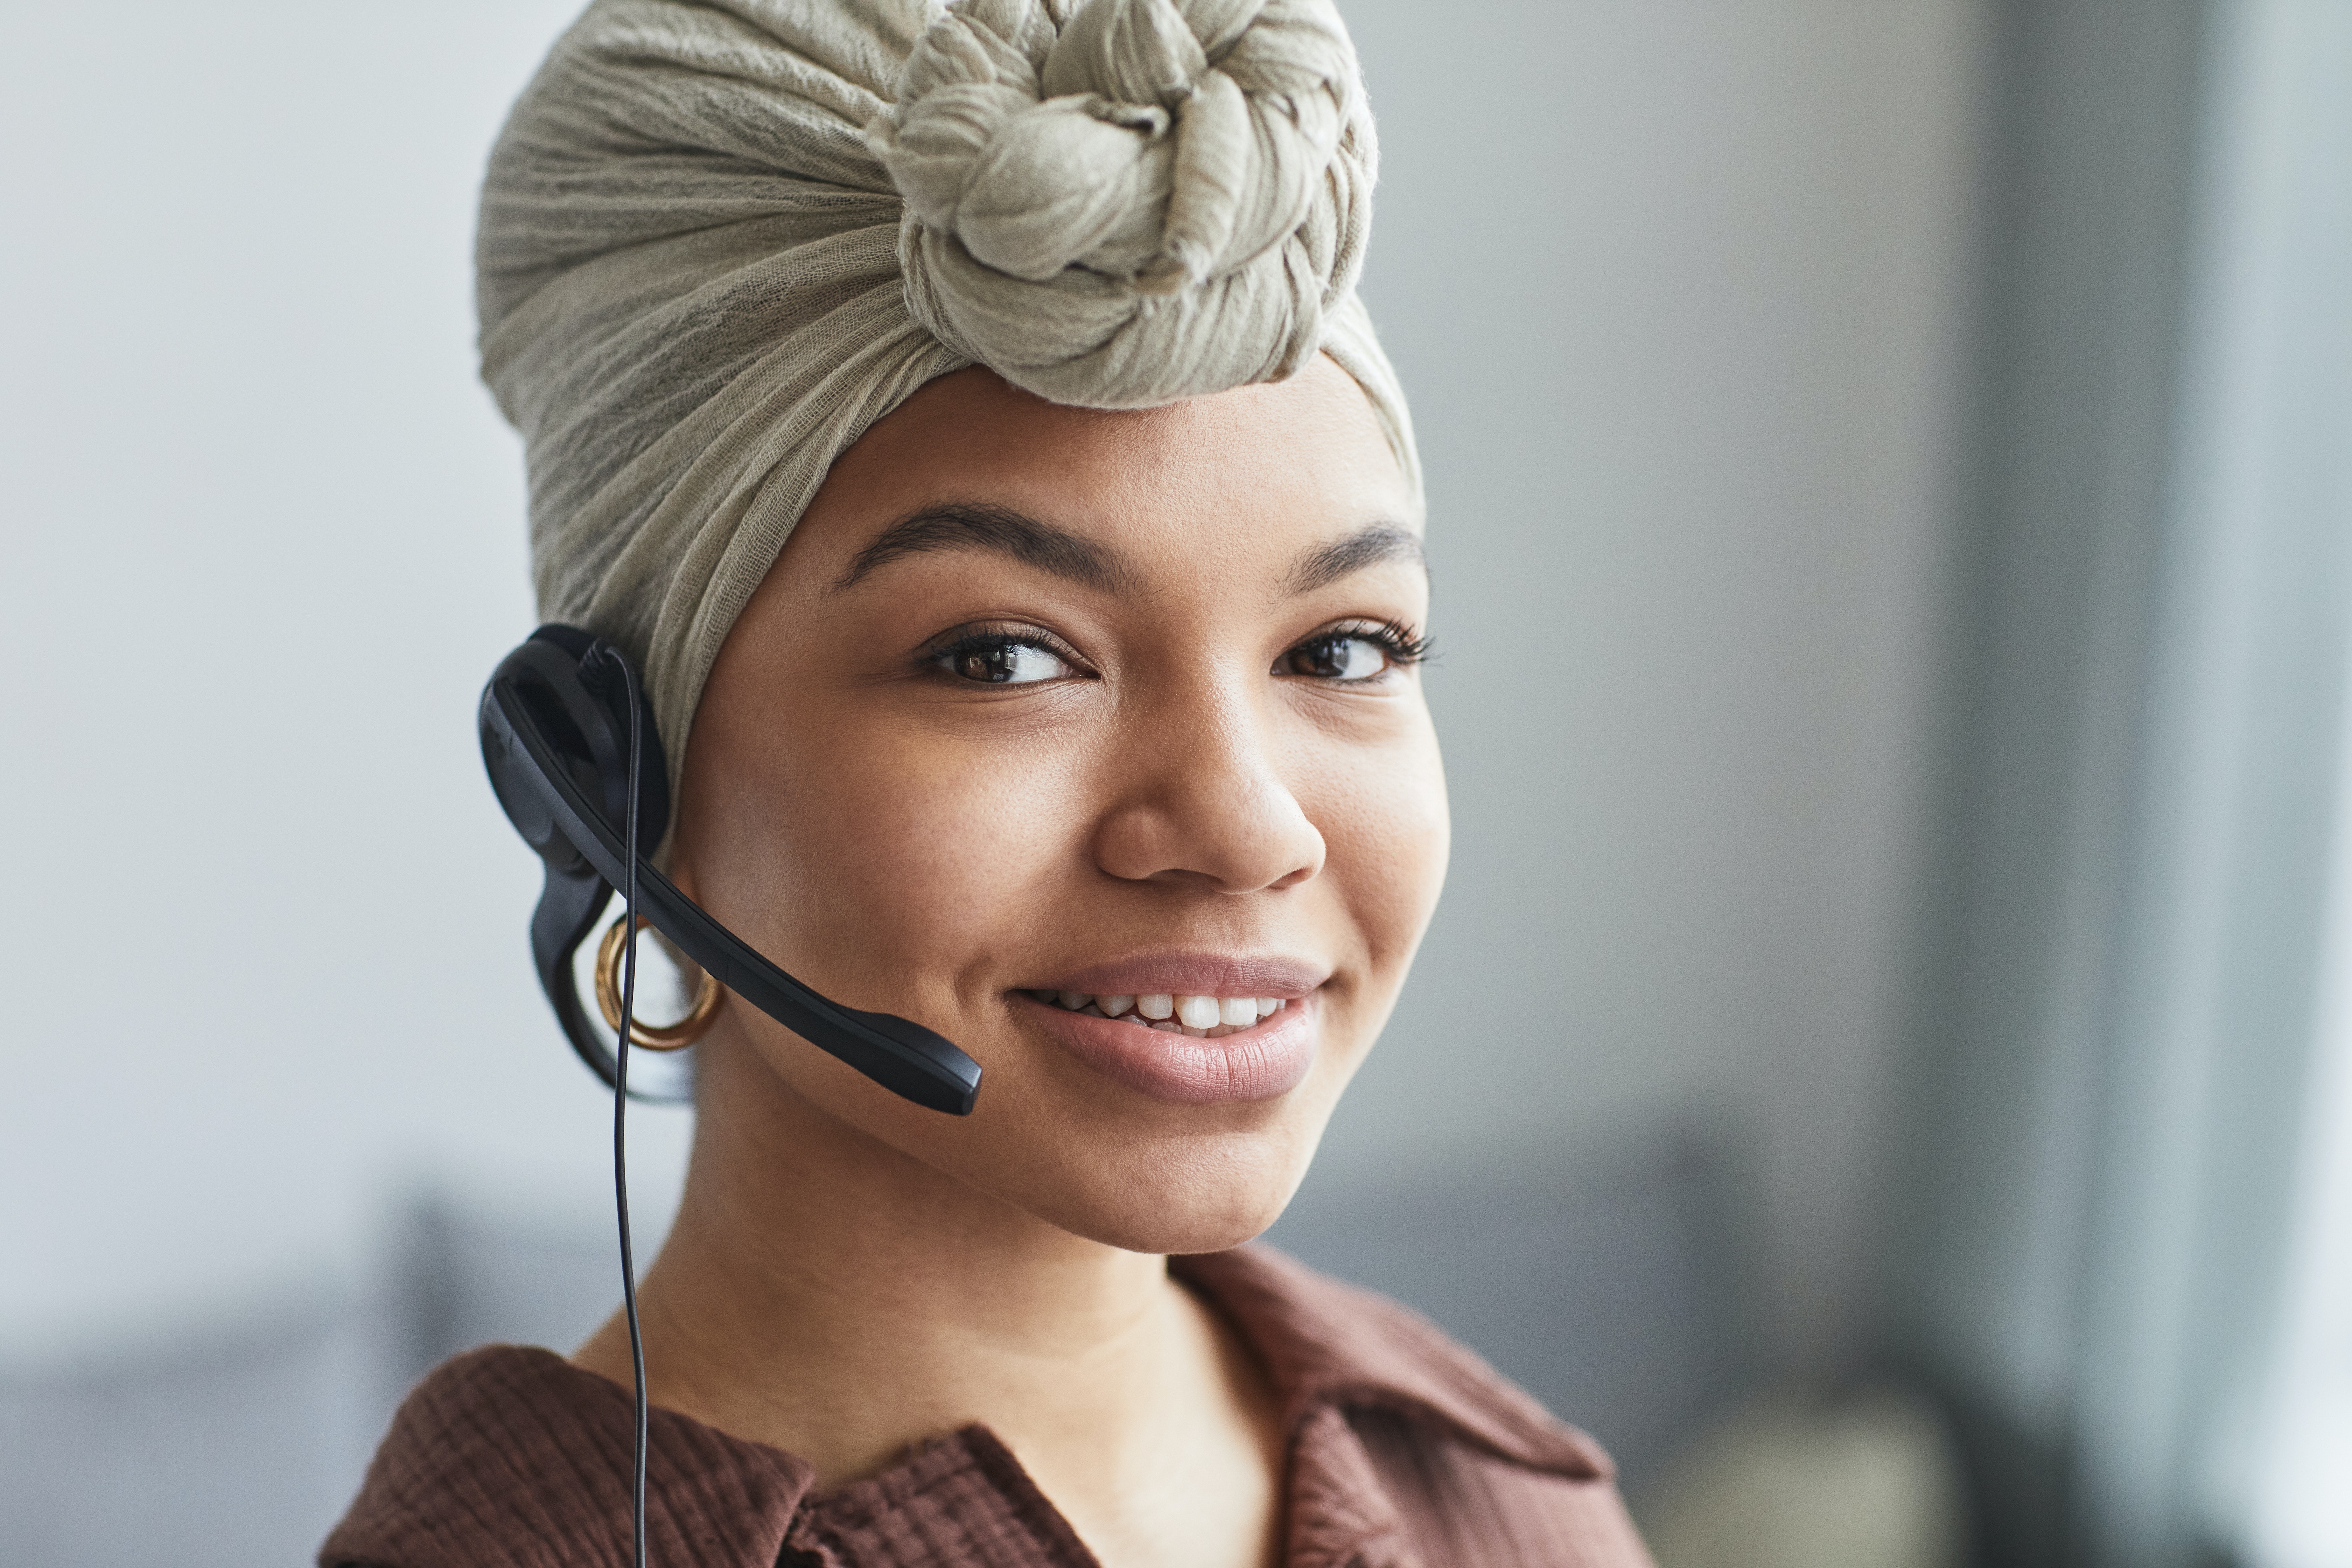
x=720, y=238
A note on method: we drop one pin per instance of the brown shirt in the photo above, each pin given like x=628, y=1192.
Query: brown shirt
x=1404, y=1449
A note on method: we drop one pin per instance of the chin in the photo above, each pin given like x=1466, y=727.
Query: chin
x=1086, y=1156
x=1182, y=1196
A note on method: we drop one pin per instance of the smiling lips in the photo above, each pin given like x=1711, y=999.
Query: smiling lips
x=1201, y=1017
x=1185, y=1049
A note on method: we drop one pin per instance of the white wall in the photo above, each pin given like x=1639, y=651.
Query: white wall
x=265, y=936
x=1672, y=282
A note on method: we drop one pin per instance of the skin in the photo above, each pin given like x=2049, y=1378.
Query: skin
x=850, y=1274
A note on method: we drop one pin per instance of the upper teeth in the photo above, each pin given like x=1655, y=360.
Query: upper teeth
x=1200, y=1016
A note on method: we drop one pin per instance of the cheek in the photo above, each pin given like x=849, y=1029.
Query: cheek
x=888, y=859
x=1386, y=832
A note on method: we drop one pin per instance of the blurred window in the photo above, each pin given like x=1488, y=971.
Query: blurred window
x=2300, y=1515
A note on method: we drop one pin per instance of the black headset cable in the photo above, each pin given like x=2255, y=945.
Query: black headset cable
x=621, y=1105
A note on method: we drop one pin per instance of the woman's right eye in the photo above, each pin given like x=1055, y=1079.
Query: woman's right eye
x=1002, y=661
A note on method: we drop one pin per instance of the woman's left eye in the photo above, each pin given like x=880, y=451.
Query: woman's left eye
x=1341, y=656
x=1002, y=661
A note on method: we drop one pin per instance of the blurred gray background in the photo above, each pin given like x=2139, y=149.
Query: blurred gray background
x=1702, y=306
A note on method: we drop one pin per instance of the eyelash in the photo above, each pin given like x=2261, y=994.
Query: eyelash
x=944, y=655
x=1399, y=647
x=1403, y=645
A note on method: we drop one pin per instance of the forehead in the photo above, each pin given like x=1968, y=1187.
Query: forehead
x=1244, y=473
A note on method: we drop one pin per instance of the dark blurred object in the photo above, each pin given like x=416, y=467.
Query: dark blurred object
x=221, y=1451
x=471, y=1277
x=242, y=1444
x=1610, y=1286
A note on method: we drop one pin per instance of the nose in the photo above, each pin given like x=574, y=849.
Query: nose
x=1200, y=802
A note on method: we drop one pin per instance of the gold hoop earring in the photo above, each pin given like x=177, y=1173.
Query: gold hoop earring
x=652, y=1036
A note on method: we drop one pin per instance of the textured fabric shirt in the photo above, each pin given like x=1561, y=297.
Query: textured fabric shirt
x=1403, y=1451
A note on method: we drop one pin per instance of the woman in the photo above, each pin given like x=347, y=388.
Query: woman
x=966, y=418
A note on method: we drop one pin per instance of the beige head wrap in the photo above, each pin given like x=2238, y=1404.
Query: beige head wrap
x=721, y=237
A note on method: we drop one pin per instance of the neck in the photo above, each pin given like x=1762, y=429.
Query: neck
x=826, y=1294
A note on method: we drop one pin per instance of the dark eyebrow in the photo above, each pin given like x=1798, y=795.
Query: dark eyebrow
x=977, y=525
x=1325, y=566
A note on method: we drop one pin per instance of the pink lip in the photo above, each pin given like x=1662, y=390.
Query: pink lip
x=1270, y=1058
x=1173, y=973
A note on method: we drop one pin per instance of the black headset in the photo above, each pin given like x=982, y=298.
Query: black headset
x=557, y=735
x=569, y=739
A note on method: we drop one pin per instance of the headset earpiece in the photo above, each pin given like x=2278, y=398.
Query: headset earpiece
x=567, y=677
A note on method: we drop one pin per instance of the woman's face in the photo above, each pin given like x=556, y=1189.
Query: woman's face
x=1042, y=705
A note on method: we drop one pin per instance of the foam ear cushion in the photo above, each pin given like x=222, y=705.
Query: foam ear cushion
x=584, y=704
